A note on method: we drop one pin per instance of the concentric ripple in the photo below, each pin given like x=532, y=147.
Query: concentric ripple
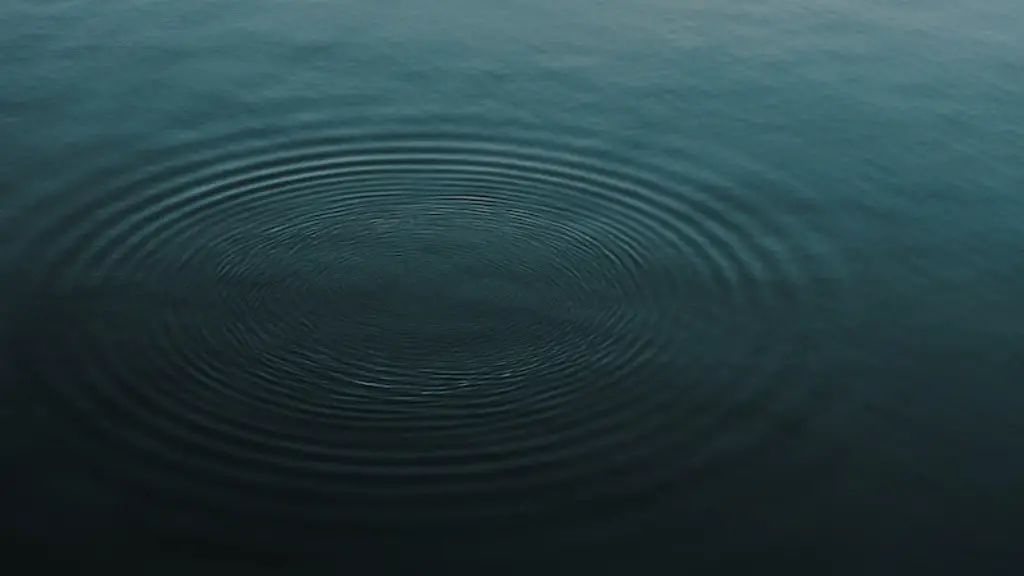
x=402, y=324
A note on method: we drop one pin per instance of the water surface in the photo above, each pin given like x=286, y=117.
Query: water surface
x=651, y=286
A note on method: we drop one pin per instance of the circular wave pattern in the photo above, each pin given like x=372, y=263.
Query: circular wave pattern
x=400, y=326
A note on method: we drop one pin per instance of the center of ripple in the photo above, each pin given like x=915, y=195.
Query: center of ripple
x=420, y=292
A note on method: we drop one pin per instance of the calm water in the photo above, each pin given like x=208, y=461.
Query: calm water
x=647, y=286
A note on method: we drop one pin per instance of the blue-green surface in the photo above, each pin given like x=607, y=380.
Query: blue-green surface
x=648, y=286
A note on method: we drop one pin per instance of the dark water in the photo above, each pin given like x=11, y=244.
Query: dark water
x=649, y=286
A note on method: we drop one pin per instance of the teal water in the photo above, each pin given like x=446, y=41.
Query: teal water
x=651, y=286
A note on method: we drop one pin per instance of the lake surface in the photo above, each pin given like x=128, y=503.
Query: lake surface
x=640, y=286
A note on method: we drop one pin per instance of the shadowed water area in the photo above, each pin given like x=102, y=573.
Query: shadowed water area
x=647, y=287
